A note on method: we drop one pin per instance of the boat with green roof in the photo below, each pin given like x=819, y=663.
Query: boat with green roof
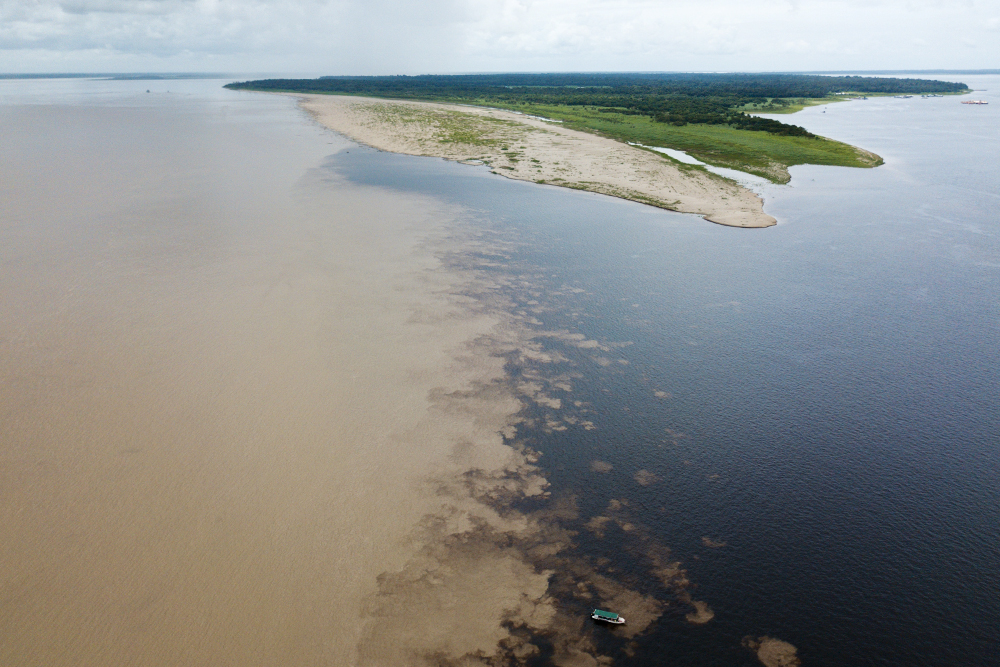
x=607, y=617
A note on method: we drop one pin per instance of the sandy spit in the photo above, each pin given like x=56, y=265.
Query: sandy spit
x=532, y=149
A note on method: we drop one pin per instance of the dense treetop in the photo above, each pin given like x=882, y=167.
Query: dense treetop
x=676, y=98
x=698, y=85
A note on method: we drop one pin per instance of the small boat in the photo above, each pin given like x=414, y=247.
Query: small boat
x=974, y=102
x=607, y=617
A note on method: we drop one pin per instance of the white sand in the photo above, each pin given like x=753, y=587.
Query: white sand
x=530, y=149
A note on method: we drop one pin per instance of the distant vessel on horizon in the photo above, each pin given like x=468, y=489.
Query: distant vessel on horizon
x=974, y=102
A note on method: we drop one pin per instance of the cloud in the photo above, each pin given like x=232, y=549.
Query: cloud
x=393, y=36
x=157, y=27
x=141, y=7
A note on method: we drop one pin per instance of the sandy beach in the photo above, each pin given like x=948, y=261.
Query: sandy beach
x=533, y=149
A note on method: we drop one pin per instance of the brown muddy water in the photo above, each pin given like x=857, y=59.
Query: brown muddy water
x=241, y=398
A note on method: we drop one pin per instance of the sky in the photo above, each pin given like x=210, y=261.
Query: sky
x=314, y=37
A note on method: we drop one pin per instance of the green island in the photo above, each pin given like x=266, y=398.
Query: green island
x=711, y=117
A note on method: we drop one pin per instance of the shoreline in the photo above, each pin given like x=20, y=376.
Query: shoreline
x=527, y=148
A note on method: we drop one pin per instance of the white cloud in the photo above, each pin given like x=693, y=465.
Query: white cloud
x=122, y=6
x=389, y=36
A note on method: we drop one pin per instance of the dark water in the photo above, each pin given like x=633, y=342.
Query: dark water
x=832, y=407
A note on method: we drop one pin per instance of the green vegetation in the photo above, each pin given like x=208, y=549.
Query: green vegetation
x=790, y=105
x=710, y=116
x=761, y=153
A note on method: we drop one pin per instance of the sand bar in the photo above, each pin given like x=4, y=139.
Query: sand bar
x=533, y=149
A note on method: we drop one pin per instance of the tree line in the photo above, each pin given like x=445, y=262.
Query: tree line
x=676, y=98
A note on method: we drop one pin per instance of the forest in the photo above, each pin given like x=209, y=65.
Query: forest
x=675, y=98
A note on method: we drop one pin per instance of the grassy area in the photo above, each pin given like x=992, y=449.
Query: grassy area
x=779, y=105
x=761, y=153
x=443, y=126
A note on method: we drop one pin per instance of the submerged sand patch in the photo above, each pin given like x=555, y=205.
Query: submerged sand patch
x=602, y=467
x=645, y=478
x=531, y=149
x=713, y=543
x=702, y=613
x=773, y=652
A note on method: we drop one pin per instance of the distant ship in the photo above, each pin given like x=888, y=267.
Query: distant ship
x=974, y=102
x=607, y=617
